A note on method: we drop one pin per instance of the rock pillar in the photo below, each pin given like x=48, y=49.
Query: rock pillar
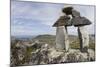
x=84, y=38
x=62, y=42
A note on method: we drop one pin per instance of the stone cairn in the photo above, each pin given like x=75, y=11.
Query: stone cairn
x=44, y=54
x=71, y=17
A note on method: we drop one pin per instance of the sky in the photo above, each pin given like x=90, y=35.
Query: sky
x=36, y=18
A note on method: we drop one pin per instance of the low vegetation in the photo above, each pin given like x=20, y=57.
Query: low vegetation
x=35, y=54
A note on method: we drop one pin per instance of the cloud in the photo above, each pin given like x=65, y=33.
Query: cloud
x=37, y=18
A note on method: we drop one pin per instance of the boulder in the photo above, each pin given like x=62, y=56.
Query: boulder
x=63, y=21
x=80, y=21
x=67, y=10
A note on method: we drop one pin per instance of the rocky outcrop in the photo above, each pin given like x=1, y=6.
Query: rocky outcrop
x=49, y=55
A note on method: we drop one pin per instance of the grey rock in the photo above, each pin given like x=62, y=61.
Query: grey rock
x=75, y=13
x=51, y=56
x=62, y=42
x=67, y=10
x=63, y=21
x=80, y=21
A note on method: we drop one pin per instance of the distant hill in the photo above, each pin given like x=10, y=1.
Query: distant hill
x=50, y=39
x=53, y=37
x=45, y=37
x=24, y=37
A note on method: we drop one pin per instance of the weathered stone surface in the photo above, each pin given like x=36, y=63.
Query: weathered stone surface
x=77, y=20
x=67, y=46
x=75, y=13
x=62, y=42
x=67, y=10
x=63, y=21
x=91, y=55
x=83, y=37
x=72, y=55
x=49, y=55
x=80, y=21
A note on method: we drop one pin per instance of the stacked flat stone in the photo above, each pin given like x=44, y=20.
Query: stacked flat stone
x=77, y=20
x=81, y=23
x=62, y=41
x=63, y=21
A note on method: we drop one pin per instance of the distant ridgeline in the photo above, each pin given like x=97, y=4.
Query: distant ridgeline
x=50, y=39
x=92, y=36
